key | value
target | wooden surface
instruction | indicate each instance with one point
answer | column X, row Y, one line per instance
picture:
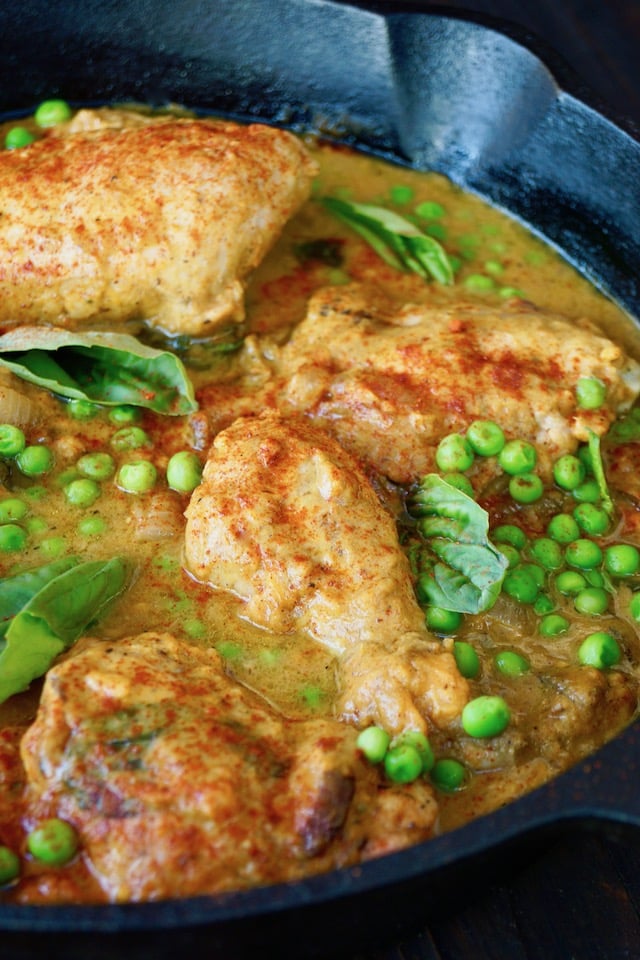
column 579, row 899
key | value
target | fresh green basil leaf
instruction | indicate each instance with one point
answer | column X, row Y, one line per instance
column 468, row 570
column 53, row 619
column 107, row 368
column 598, row 472
column 16, row 592
column 398, row 241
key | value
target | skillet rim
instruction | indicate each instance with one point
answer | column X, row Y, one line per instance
column 562, row 804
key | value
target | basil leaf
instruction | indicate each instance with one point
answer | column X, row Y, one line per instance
column 53, row 619
column 398, row 241
column 468, row 570
column 16, row 592
column 107, row 368
column 598, row 472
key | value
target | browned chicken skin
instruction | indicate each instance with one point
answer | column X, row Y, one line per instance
column 390, row 380
column 287, row 520
column 180, row 781
column 157, row 219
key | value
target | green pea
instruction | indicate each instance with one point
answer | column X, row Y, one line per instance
column 594, row 578
column 53, row 547
column 437, row 230
column 430, row 210
column 585, row 456
column 124, row 415
column 82, row 409
column 600, row 650
column 509, row 292
column 139, row 476
column 570, row 583
column 537, row 572
column 512, row 555
column 553, row 624
column 454, row 454
column 634, row 607
column 510, row 533
column 12, row 509
column 82, row 493
column 184, row 471
column 622, row 560
column 12, row 538
column 467, row 659
column 9, row 866
column 460, row 482
column 547, row 553
column 373, row 742
column 587, row 492
column 568, row 472
column 543, row 605
column 35, row 492
column 18, row 137
column 479, row 283
column 403, row 764
column 591, row 519
column 518, row 456
column 494, row 267
column 443, row 621
column 448, row 774
column 486, row 437
column 590, row 393
column 486, row 716
column 526, row 488
column 96, row 466
column 510, row 663
column 592, row 601
column 419, row 742
column 130, row 438
column 52, row 112
column 36, row 525
column 400, row 193
column 53, row 841
column 521, row 585
column 563, row 528
column 92, row 526
column 35, row 461
column 584, row 554
column 12, row 440
column 311, row 694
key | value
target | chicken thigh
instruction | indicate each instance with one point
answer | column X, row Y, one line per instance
column 389, row 381
column 116, row 216
column 287, row 520
column 179, row 781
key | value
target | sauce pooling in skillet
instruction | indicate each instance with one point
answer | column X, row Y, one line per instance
column 292, row 728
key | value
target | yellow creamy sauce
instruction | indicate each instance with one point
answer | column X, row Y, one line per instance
column 294, row 674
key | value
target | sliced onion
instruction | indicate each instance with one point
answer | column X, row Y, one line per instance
column 158, row 516
column 15, row 407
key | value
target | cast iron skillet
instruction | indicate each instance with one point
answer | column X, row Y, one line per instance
column 430, row 91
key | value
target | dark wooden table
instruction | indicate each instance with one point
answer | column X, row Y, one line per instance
column 578, row 899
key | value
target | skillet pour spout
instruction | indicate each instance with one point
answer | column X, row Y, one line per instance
column 373, row 77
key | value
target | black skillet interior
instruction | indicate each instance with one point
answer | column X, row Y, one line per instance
column 426, row 90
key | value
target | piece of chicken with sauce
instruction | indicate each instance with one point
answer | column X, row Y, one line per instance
column 390, row 380
column 180, row 781
column 287, row 521
column 115, row 216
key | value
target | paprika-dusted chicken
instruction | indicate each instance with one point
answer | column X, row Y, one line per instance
column 390, row 380
column 158, row 219
column 287, row 520
column 180, row 781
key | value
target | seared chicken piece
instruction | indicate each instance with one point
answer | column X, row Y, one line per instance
column 158, row 219
column 287, row 520
column 389, row 381
column 179, row 781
